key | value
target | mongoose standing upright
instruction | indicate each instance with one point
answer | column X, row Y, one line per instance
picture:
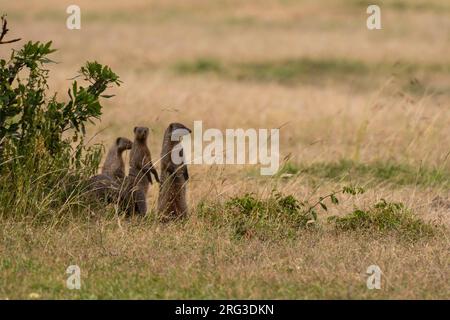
column 114, row 166
column 105, row 185
column 139, row 176
column 174, row 175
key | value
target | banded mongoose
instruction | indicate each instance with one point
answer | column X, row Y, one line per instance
column 114, row 165
column 140, row 174
column 174, row 175
column 105, row 186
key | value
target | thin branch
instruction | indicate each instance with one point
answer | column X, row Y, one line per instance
column 321, row 199
column 5, row 31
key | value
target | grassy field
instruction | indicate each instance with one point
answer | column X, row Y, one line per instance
column 355, row 107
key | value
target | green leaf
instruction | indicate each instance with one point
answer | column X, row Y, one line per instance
column 314, row 214
column 334, row 200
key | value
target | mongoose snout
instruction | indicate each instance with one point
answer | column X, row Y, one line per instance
column 140, row 133
column 124, row 144
column 114, row 165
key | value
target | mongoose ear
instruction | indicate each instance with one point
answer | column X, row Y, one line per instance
column 118, row 141
column 134, row 130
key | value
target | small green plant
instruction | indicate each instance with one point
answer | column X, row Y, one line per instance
column 351, row 190
column 276, row 216
column 385, row 217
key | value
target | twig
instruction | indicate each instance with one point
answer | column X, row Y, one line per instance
column 5, row 31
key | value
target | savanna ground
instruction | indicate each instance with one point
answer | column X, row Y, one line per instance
column 360, row 107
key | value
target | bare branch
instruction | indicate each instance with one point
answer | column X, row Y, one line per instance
column 5, row 31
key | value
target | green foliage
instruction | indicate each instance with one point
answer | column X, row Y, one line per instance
column 30, row 119
column 277, row 216
column 42, row 150
column 385, row 217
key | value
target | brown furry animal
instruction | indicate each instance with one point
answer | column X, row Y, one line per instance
column 140, row 174
column 105, row 186
column 114, row 165
column 174, row 175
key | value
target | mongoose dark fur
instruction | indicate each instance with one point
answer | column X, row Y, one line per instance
column 174, row 176
column 114, row 165
column 105, row 186
column 140, row 174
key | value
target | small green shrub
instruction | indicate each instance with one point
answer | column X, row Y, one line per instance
column 385, row 217
column 277, row 216
column 43, row 157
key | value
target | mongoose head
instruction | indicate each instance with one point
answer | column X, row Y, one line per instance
column 177, row 131
column 123, row 144
column 141, row 133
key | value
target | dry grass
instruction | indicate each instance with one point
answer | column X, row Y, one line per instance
column 327, row 117
column 137, row 260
